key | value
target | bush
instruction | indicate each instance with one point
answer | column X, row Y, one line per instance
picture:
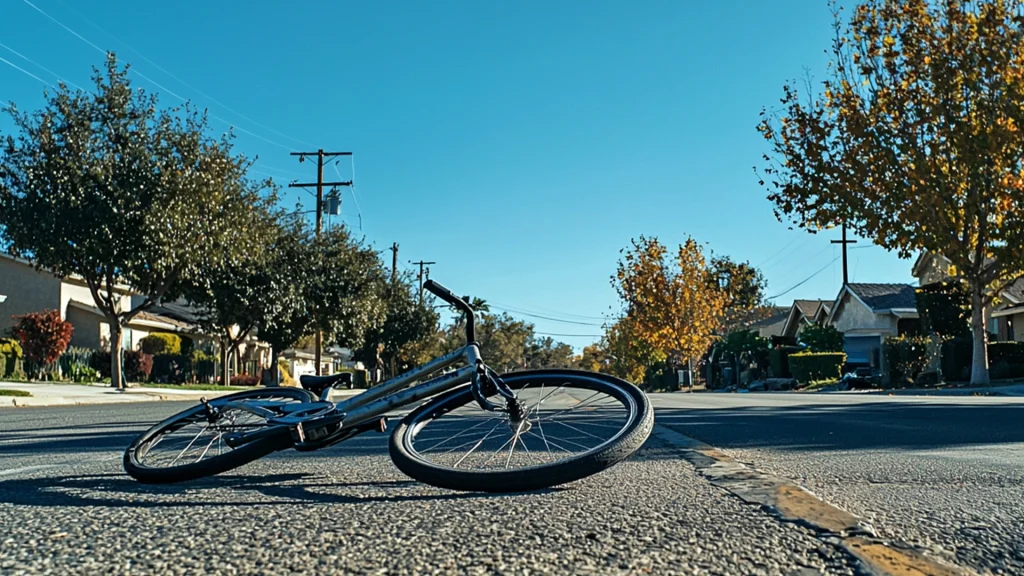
column 945, row 309
column 204, row 366
column 906, row 357
column 136, row 365
column 360, row 378
column 779, row 359
column 285, row 378
column 822, row 338
column 171, row 368
column 44, row 336
column 814, row 366
column 245, row 380
column 9, row 347
column 161, row 343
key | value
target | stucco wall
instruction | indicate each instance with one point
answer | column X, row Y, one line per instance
column 853, row 317
column 937, row 270
column 88, row 328
column 26, row 289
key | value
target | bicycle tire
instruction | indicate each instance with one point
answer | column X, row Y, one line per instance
column 630, row 439
column 215, row 464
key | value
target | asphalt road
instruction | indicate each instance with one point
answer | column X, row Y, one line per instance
column 945, row 473
column 942, row 473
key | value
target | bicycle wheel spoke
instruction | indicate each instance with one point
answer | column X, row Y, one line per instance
column 515, row 438
column 580, row 431
column 189, row 445
column 449, row 438
column 466, row 455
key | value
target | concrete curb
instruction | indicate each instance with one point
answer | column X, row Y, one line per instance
column 791, row 502
column 129, row 396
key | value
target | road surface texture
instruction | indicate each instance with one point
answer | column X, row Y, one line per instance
column 67, row 508
column 944, row 474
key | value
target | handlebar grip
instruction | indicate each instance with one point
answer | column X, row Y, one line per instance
column 442, row 292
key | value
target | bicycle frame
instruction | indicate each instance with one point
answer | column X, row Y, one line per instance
column 376, row 401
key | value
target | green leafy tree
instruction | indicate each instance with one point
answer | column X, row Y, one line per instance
column 502, row 339
column 914, row 141
column 107, row 186
column 822, row 338
column 406, row 330
column 745, row 288
column 546, row 352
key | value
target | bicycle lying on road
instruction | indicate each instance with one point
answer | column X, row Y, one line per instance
column 478, row 430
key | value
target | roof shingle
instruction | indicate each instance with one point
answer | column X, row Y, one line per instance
column 886, row 296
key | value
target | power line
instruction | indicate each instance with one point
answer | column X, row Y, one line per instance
column 569, row 335
column 352, row 188
column 778, row 252
column 805, row 280
column 154, row 82
column 545, row 317
column 186, row 84
column 539, row 310
column 38, row 65
column 23, row 71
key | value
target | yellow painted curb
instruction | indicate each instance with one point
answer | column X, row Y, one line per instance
column 793, row 503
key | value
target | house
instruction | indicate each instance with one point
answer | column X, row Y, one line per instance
column 867, row 314
column 302, row 362
column 773, row 323
column 30, row 290
column 803, row 313
column 1005, row 321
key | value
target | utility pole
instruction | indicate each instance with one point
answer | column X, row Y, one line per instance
column 394, row 265
column 421, row 264
column 320, row 155
column 845, row 243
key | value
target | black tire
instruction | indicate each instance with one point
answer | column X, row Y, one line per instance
column 217, row 464
column 632, row 435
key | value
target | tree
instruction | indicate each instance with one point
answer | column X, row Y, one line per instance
column 745, row 287
column 288, row 268
column 628, row 351
column 44, row 336
column 406, row 324
column 129, row 197
column 594, row 358
column 822, row 338
column 670, row 303
column 502, row 339
column 342, row 291
column 915, row 141
column 232, row 297
column 546, row 352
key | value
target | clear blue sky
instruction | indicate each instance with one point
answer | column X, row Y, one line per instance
column 518, row 144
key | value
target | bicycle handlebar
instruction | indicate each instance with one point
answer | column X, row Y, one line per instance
column 447, row 295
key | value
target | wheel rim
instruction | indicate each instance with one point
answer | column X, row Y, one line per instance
column 190, row 438
column 567, row 417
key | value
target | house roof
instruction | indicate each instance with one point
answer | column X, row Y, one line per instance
column 776, row 314
column 177, row 310
column 1015, row 292
column 885, row 296
column 141, row 319
column 810, row 307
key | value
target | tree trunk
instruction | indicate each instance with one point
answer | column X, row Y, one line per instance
column 116, row 376
column 274, row 371
column 979, row 365
column 225, row 377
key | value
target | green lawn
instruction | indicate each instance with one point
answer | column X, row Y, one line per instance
column 18, row 393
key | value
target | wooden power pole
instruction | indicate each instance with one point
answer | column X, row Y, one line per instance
column 421, row 264
column 845, row 243
column 319, row 184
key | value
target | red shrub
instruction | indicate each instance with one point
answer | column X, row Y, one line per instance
column 245, row 380
column 44, row 335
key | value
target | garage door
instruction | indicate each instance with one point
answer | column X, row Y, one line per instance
column 861, row 349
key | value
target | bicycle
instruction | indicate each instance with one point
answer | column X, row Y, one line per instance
column 477, row 430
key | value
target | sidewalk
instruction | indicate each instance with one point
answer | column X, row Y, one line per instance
column 996, row 390
column 46, row 394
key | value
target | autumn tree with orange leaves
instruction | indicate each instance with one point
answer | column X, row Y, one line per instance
column 914, row 140
column 670, row 304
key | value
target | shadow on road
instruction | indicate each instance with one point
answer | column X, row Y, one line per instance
column 862, row 426
column 118, row 491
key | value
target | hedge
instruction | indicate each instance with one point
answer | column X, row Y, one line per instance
column 137, row 365
column 779, row 359
column 905, row 357
column 814, row 366
column 161, row 343
column 1005, row 359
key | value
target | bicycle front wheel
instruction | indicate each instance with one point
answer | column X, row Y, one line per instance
column 187, row 445
column 576, row 424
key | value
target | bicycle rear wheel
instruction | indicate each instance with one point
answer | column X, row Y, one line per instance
column 577, row 424
column 187, row 445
